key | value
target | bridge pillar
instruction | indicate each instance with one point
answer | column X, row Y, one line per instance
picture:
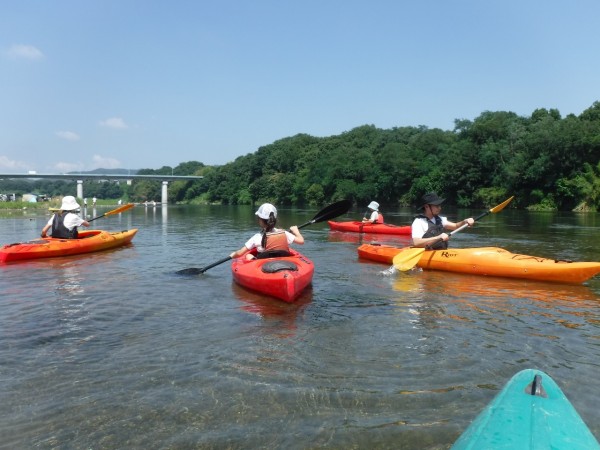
column 79, row 188
column 164, row 197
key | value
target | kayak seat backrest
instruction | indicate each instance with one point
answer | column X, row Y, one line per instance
column 273, row 254
column 277, row 266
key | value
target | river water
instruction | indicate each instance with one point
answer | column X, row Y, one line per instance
column 115, row 350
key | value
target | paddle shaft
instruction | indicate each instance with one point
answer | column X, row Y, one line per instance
column 462, row 227
column 216, row 263
column 495, row 209
column 120, row 209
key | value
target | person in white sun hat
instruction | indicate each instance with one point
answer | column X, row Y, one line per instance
column 64, row 222
column 271, row 241
column 373, row 215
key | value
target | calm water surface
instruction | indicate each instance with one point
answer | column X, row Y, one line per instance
column 114, row 350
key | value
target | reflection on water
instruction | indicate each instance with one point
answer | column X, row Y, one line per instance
column 567, row 305
column 281, row 316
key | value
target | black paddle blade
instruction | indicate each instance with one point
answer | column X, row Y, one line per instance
column 330, row 212
column 190, row 271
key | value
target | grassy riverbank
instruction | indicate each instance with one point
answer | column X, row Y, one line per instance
column 17, row 206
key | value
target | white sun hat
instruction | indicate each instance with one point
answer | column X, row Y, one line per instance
column 69, row 203
column 265, row 211
column 374, row 206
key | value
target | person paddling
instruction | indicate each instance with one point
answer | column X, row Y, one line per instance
column 373, row 215
column 64, row 222
column 428, row 228
column 271, row 241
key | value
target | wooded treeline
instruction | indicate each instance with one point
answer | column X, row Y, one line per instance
column 545, row 160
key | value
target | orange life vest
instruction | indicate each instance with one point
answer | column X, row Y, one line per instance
column 277, row 240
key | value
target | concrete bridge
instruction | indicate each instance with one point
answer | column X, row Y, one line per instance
column 80, row 177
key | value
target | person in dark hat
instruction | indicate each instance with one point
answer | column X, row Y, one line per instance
column 429, row 227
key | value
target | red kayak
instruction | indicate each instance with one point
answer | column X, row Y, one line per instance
column 283, row 277
column 376, row 228
column 87, row 242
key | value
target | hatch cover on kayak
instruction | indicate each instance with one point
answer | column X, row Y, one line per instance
column 276, row 266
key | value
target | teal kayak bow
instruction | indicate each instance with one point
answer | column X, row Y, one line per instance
column 531, row 412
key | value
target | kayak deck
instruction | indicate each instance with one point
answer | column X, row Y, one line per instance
column 490, row 261
column 283, row 277
column 531, row 412
column 88, row 241
column 376, row 228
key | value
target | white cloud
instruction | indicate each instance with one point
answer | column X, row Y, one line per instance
column 7, row 163
column 114, row 122
column 22, row 51
column 97, row 162
column 64, row 167
column 101, row 162
column 68, row 135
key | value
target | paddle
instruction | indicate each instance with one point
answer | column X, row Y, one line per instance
column 329, row 212
column 407, row 259
column 120, row 209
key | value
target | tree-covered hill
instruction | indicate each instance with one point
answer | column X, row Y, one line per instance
column 546, row 161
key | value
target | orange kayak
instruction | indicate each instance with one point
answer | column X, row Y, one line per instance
column 492, row 261
column 376, row 228
column 283, row 277
column 87, row 242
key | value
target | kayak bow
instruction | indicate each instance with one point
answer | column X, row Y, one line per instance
column 531, row 412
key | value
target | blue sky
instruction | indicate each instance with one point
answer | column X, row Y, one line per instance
column 144, row 84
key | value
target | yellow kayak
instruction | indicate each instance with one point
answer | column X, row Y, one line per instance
column 492, row 261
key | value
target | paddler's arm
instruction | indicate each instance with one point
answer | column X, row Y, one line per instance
column 298, row 238
column 241, row 252
column 424, row 242
column 453, row 226
column 47, row 227
column 45, row 230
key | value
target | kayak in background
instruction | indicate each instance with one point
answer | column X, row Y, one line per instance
column 283, row 277
column 376, row 228
column 531, row 412
column 491, row 261
column 49, row 247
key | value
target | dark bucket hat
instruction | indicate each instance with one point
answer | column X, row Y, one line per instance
column 431, row 198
